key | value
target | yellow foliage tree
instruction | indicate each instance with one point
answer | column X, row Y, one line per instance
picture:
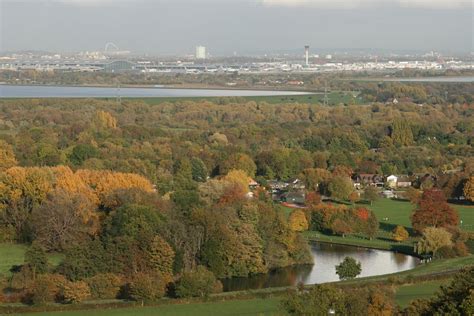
column 104, row 120
column 298, row 221
column 399, row 233
column 239, row 177
column 7, row 156
column 469, row 189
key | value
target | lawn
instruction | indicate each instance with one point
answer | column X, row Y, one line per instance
column 251, row 307
column 390, row 213
column 14, row 254
column 398, row 213
column 406, row 293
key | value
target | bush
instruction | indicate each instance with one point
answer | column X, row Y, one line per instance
column 198, row 283
column 106, row 285
column 75, row 292
column 445, row 252
column 46, row 288
column 146, row 287
column 461, row 249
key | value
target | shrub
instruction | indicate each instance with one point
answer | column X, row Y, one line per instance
column 460, row 249
column 198, row 283
column 75, row 292
column 146, row 287
column 445, row 252
column 399, row 233
column 46, row 288
column 106, row 285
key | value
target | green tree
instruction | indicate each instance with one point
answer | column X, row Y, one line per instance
column 401, row 133
column 340, row 187
column 199, row 170
column 36, row 259
column 349, row 268
column 320, row 300
column 82, row 152
column 199, row 283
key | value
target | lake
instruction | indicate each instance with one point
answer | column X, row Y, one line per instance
column 13, row 91
column 326, row 257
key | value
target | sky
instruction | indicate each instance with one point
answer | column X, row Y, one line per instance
column 240, row 26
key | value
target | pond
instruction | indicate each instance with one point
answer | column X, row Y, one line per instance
column 326, row 257
column 12, row 91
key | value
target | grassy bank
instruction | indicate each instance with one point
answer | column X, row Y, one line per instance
column 407, row 293
column 252, row 307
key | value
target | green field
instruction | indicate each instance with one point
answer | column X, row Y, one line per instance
column 406, row 293
column 252, row 307
column 14, row 254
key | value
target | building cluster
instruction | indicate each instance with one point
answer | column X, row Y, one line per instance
column 201, row 63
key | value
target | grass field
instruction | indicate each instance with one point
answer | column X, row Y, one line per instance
column 406, row 293
column 14, row 254
column 252, row 307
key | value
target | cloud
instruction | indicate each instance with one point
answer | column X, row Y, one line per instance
column 349, row 4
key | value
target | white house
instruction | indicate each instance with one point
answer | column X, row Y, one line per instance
column 392, row 181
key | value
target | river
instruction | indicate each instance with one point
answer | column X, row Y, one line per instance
column 326, row 257
column 13, row 91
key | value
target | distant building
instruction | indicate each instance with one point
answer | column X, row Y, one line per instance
column 200, row 52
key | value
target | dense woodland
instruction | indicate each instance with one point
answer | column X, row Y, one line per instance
column 135, row 195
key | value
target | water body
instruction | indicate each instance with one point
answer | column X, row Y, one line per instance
column 453, row 79
column 326, row 257
column 12, row 91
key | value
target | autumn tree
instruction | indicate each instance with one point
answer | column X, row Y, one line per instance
column 146, row 287
column 7, row 156
column 413, row 195
column 298, row 221
column 354, row 197
column 399, row 233
column 433, row 239
column 75, row 292
column 349, row 268
column 238, row 161
column 161, row 255
column 371, row 194
column 469, row 189
column 433, row 210
column 63, row 220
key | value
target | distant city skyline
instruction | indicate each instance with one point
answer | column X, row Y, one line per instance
column 242, row 26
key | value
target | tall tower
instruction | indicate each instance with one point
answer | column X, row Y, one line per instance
column 306, row 54
column 200, row 52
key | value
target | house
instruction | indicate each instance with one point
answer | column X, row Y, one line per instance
column 296, row 184
column 295, row 197
column 400, row 181
column 367, row 179
column 403, row 182
column 391, row 181
column 276, row 185
column 252, row 184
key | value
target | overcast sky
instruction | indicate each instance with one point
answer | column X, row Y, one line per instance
column 242, row 26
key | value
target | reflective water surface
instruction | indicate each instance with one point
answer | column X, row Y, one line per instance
column 326, row 257
column 12, row 91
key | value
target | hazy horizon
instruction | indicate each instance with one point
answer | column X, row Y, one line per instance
column 240, row 26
